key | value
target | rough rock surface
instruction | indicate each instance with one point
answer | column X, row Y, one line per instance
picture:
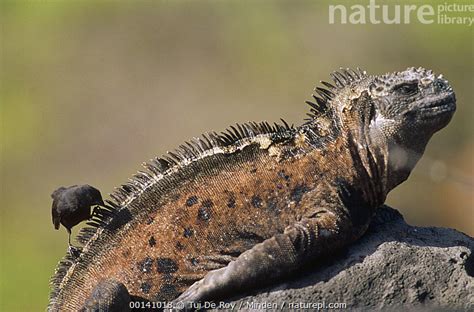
column 393, row 266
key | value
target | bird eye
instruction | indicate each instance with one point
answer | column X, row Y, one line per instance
column 407, row 88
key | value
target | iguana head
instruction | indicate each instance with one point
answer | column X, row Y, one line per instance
column 410, row 106
column 397, row 112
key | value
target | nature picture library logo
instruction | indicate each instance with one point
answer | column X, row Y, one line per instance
column 373, row 12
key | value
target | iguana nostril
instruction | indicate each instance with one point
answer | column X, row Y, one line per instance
column 440, row 85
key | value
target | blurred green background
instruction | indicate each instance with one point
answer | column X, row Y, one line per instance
column 89, row 90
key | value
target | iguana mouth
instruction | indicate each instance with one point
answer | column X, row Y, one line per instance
column 441, row 105
column 439, row 112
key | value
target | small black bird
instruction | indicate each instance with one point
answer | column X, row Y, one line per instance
column 72, row 205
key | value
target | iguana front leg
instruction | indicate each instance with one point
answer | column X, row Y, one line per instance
column 109, row 295
column 322, row 233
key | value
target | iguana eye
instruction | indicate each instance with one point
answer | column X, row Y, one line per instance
column 406, row 88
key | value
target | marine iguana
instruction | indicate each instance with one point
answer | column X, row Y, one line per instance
column 251, row 205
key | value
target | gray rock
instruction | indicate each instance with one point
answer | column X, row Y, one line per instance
column 393, row 266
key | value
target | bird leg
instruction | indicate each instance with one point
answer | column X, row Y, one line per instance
column 74, row 251
column 69, row 238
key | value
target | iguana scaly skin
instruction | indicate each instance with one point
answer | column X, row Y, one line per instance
column 251, row 205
